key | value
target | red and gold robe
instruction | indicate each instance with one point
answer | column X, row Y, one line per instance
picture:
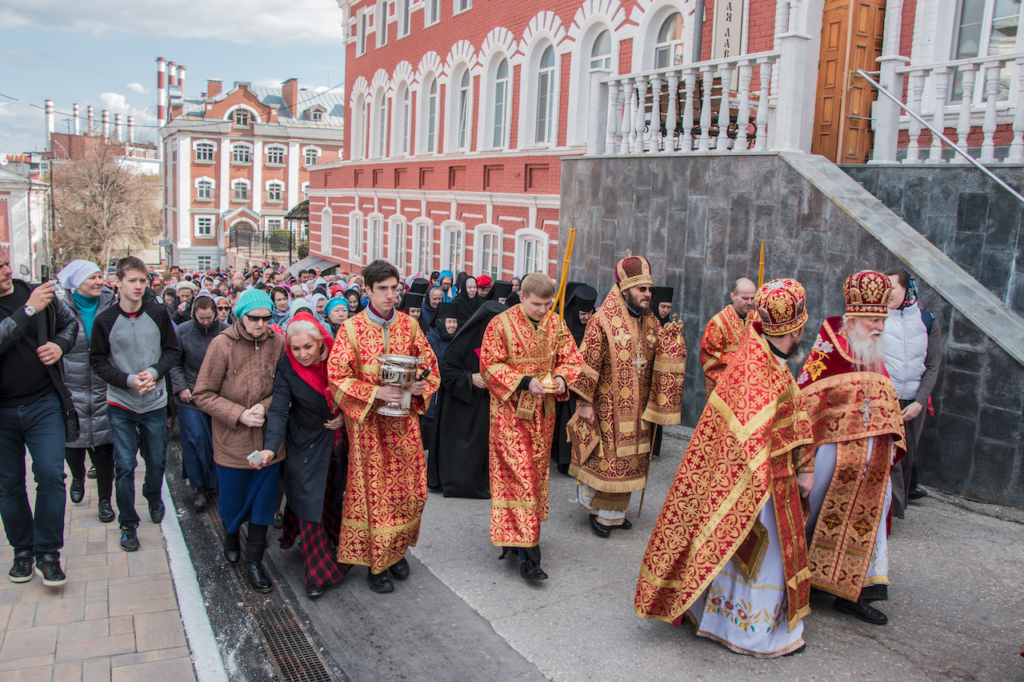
column 522, row 424
column 847, row 406
column 744, row 451
column 721, row 338
column 387, row 473
column 632, row 375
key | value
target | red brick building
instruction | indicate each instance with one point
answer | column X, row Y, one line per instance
column 238, row 159
column 460, row 111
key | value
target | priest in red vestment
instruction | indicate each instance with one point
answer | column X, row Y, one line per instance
column 387, row 473
column 520, row 347
column 724, row 332
column 728, row 549
column 858, row 433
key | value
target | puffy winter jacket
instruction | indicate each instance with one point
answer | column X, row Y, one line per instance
column 193, row 341
column 88, row 390
column 906, row 344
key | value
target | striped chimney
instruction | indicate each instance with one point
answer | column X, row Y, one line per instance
column 118, row 128
column 106, row 124
column 172, row 74
column 49, row 124
column 181, row 80
column 76, row 113
column 131, row 130
column 161, row 91
column 89, row 130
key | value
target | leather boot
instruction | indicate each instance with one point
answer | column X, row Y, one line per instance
column 254, row 567
column 232, row 548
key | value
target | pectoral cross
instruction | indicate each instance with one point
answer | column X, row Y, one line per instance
column 639, row 363
column 867, row 411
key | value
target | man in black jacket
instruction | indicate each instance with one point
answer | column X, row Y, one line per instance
column 35, row 332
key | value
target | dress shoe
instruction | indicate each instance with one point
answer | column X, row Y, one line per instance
column 314, row 591
column 563, row 469
column 916, row 494
column 253, row 567
column 868, row 614
column 380, row 582
column 91, row 474
column 48, row 568
column 625, row 525
column 400, row 569
column 279, row 521
column 232, row 548
column 77, row 489
column 201, row 501
column 104, row 511
column 532, row 571
column 21, row 569
column 600, row 530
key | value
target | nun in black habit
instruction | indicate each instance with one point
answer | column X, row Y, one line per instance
column 579, row 306
column 457, row 464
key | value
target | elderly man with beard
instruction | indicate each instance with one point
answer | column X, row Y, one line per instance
column 858, row 426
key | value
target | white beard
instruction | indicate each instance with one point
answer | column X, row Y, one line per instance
column 797, row 359
column 865, row 346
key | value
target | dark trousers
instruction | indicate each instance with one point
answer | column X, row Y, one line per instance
column 102, row 457
column 40, row 427
column 195, row 430
column 152, row 442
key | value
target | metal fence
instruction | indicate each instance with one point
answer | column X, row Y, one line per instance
column 253, row 242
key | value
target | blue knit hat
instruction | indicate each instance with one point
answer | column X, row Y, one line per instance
column 252, row 299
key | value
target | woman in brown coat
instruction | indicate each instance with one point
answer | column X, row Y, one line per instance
column 235, row 387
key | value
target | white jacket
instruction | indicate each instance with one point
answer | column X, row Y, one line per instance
column 906, row 344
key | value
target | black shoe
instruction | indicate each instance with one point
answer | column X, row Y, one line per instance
column 232, row 548
column 279, row 521
column 48, row 568
column 563, row 469
column 157, row 513
column 21, row 569
column 916, row 494
column 868, row 614
column 625, row 525
column 201, row 501
column 315, row 591
column 400, row 569
column 600, row 530
column 129, row 540
column 380, row 582
column 77, row 489
column 254, row 568
column 104, row 510
column 91, row 474
column 532, row 571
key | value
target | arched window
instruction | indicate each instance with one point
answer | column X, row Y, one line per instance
column 601, row 53
column 376, row 242
column 240, row 117
column 401, row 127
column 396, row 242
column 546, row 97
column 432, row 117
column 326, row 231
column 453, row 247
column 355, row 237
column 275, row 191
column 668, row 51
column 462, row 132
column 382, row 127
column 487, row 248
column 358, row 148
column 533, row 259
column 501, row 90
column 423, row 229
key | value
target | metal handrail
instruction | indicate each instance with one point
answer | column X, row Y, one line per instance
column 864, row 74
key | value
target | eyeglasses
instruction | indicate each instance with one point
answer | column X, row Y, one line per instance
column 644, row 290
column 223, row 307
column 259, row 318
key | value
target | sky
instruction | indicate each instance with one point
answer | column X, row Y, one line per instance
column 103, row 53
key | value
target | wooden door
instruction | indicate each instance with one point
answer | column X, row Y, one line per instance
column 851, row 39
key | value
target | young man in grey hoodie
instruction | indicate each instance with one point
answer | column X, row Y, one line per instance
column 133, row 346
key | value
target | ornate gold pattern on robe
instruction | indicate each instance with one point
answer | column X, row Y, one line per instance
column 387, row 474
column 721, row 338
column 615, row 346
column 522, row 424
column 847, row 406
column 743, row 451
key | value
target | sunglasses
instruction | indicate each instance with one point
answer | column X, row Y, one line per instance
column 644, row 290
column 223, row 307
column 258, row 318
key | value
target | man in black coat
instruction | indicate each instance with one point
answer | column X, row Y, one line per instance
column 35, row 332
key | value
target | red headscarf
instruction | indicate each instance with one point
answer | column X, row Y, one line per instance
column 315, row 375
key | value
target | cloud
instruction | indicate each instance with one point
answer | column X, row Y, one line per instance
column 138, row 87
column 270, row 22
column 116, row 103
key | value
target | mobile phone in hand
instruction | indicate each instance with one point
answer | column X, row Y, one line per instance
column 255, row 457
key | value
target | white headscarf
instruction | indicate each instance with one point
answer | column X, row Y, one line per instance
column 76, row 272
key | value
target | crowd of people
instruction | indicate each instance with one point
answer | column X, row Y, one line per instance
column 273, row 385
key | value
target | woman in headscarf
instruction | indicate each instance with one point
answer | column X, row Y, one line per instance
column 337, row 313
column 282, row 299
column 305, row 419
column 85, row 297
column 447, row 287
column 460, row 282
column 515, row 285
column 428, row 310
column 224, row 309
column 319, row 302
column 467, row 300
column 439, row 336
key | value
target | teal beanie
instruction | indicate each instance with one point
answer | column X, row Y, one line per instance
column 252, row 299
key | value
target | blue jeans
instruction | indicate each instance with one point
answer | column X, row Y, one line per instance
column 40, row 426
column 152, row 441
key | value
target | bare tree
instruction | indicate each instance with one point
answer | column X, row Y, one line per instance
column 102, row 207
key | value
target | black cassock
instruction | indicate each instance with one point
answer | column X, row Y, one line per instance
column 579, row 298
column 458, row 456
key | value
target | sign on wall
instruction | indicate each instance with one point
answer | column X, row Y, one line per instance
column 727, row 38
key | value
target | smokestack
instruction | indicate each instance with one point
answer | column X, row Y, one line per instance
column 76, row 112
column 118, row 128
column 90, row 122
column 106, row 124
column 181, row 80
column 161, row 92
column 172, row 74
column 131, row 130
column 49, row 124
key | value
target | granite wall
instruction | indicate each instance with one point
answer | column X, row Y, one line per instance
column 969, row 217
column 700, row 220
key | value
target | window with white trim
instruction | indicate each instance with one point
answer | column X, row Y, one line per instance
column 428, row 116
column 204, row 190
column 316, row 116
column 241, row 153
column 311, row 156
column 361, row 26
column 275, row 191
column 204, row 151
column 326, row 231
column 544, row 128
column 424, row 253
column 431, row 12
column 396, row 242
column 382, row 127
column 380, row 22
column 501, row 102
column 453, row 250
column 240, row 117
column 204, row 226
column 355, row 237
column 533, row 258
column 304, row 189
column 275, row 155
column 668, row 51
column 204, row 262
column 404, row 13
column 240, row 190
column 273, row 224
column 358, row 148
column 489, row 254
column 405, row 124
column 985, row 28
column 601, row 52
column 460, row 6
column 376, row 240
column 459, row 111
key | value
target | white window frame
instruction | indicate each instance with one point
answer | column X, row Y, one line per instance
column 401, row 124
column 355, row 236
column 316, row 115
column 481, row 234
column 423, row 251
column 305, row 152
column 241, row 182
column 528, row 99
column 204, row 262
column 198, row 219
column 358, row 144
column 241, row 113
column 229, row 115
column 275, row 184
column 196, row 144
column 276, row 149
column 326, row 234
column 427, row 131
column 199, row 181
column 236, row 147
column 398, row 235
column 1008, row 82
column 378, row 123
column 585, row 77
column 525, row 235
column 275, row 224
column 670, row 46
column 375, row 237
column 431, row 12
column 380, row 22
column 448, row 229
column 460, row 6
column 489, row 116
column 460, row 99
column 544, row 130
column 403, row 12
column 304, row 189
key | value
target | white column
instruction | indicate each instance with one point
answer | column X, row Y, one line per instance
column 914, row 91
column 224, row 181
column 184, row 199
column 672, row 116
column 598, row 99
column 885, row 113
column 686, row 143
column 611, row 136
column 257, row 176
column 991, row 82
column 293, row 174
column 725, row 73
column 743, row 114
column 704, row 143
column 963, row 124
column 1016, row 154
column 941, row 76
column 795, row 107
